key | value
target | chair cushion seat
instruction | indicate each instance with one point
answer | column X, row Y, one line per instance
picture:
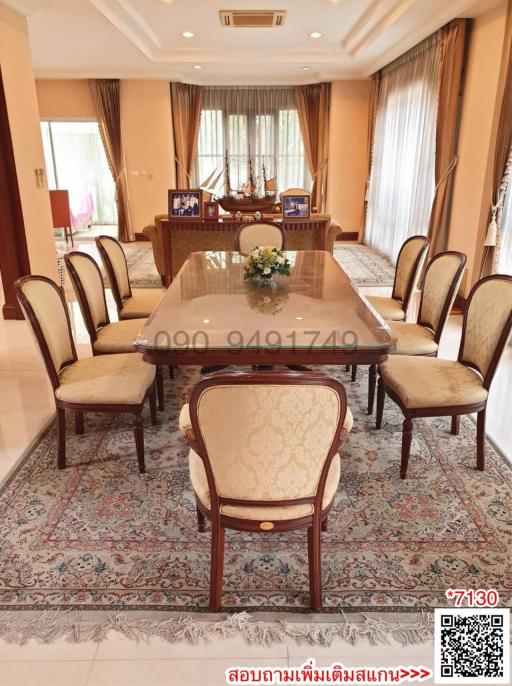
column 118, row 337
column 106, row 380
column 430, row 382
column 185, row 423
column 412, row 339
column 388, row 308
column 141, row 305
column 277, row 513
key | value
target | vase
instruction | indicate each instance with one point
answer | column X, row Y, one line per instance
column 264, row 280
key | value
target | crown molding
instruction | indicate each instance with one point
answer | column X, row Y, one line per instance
column 456, row 8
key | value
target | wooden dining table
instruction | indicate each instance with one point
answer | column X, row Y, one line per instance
column 210, row 315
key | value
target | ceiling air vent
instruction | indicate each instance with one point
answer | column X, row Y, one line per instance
column 252, row 18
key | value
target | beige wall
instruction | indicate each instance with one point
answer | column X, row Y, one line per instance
column 469, row 209
column 147, row 135
column 347, row 152
column 65, row 99
column 22, row 108
column 148, row 147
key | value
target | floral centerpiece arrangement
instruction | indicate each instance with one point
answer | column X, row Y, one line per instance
column 264, row 262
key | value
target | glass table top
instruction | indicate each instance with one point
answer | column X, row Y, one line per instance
column 210, row 305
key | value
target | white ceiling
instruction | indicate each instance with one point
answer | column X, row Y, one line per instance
column 142, row 38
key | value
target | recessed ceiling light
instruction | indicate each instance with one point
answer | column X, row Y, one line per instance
column 187, row 34
column 197, row 66
column 306, row 68
column 315, row 34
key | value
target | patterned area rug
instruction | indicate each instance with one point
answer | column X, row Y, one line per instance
column 99, row 536
column 364, row 266
column 141, row 266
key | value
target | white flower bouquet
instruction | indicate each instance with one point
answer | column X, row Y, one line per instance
column 264, row 262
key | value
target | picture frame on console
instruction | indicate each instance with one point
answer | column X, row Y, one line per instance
column 296, row 206
column 185, row 203
column 211, row 210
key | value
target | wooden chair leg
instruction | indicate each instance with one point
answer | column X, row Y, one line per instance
column 315, row 567
column 455, row 425
column 406, row 446
column 354, row 372
column 381, row 397
column 159, row 378
column 480, row 440
column 61, row 435
column 138, row 430
column 79, row 423
column 217, row 567
column 71, row 237
column 171, row 372
column 201, row 521
column 347, row 367
column 372, row 382
column 152, row 404
column 325, row 525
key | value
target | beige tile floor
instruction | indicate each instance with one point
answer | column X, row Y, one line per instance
column 25, row 407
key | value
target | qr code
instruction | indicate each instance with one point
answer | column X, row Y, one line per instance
column 472, row 646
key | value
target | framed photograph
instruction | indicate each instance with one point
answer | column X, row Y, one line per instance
column 296, row 206
column 211, row 210
column 185, row 204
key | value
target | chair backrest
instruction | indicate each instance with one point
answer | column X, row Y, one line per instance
column 114, row 261
column 411, row 259
column 442, row 280
column 267, row 437
column 487, row 324
column 89, row 290
column 46, row 312
column 258, row 234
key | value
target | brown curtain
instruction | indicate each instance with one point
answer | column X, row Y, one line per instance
column 186, row 115
column 313, row 104
column 502, row 146
column 452, row 42
column 107, row 104
column 372, row 114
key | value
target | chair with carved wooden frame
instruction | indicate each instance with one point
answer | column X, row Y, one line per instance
column 409, row 265
column 107, row 384
column 129, row 306
column 442, row 280
column 106, row 338
column 258, row 234
column 277, row 469
column 433, row 387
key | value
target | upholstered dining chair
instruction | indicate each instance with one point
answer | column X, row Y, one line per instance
column 129, row 306
column 442, row 280
column 264, row 457
column 409, row 265
column 108, row 383
column 106, row 338
column 433, row 387
column 257, row 234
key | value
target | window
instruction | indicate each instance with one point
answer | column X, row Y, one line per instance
column 263, row 121
column 505, row 239
column 76, row 161
column 402, row 180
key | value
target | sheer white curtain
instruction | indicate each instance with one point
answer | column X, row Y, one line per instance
column 505, row 237
column 402, row 179
column 264, row 119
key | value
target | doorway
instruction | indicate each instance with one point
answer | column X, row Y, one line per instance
column 76, row 162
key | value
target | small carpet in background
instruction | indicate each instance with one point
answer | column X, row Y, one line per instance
column 141, row 266
column 364, row 266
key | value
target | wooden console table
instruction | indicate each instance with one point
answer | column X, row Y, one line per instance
column 180, row 237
